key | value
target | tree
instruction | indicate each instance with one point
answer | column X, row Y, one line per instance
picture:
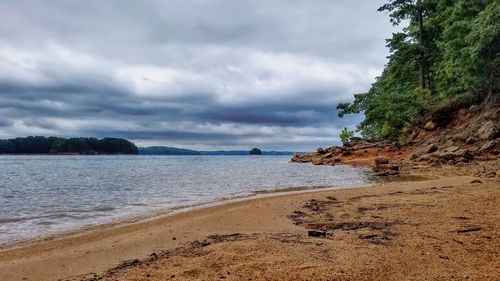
column 445, row 58
column 255, row 151
column 54, row 145
column 346, row 135
column 414, row 11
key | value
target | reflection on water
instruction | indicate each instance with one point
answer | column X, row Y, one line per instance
column 46, row 194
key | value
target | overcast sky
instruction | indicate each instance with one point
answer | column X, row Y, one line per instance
column 203, row 74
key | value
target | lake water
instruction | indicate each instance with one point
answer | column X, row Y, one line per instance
column 42, row 195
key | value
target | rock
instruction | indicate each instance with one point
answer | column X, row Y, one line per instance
column 489, row 146
column 328, row 155
column 382, row 174
column 491, row 174
column 317, row 161
column 470, row 140
column 393, row 172
column 451, row 148
column 385, row 167
column 419, row 151
column 320, row 150
column 453, row 153
column 476, row 181
column 430, row 126
column 346, row 153
column 381, row 160
column 315, row 233
column 488, row 131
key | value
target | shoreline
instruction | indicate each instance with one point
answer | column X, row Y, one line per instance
column 165, row 212
column 97, row 250
column 258, row 194
column 162, row 213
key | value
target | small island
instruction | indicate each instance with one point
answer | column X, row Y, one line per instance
column 255, row 151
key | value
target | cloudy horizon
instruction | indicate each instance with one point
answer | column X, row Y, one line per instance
column 194, row 74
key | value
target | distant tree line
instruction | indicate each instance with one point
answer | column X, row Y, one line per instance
column 167, row 150
column 56, row 145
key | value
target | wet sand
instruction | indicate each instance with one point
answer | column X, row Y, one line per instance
column 440, row 229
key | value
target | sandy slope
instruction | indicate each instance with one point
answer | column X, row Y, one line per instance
column 394, row 231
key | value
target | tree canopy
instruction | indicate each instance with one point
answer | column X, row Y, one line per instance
column 55, row 145
column 445, row 57
column 255, row 151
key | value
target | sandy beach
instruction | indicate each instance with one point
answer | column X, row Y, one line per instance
column 439, row 229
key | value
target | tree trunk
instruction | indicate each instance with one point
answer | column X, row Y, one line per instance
column 421, row 43
column 491, row 65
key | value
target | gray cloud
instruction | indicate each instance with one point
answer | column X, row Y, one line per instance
column 201, row 74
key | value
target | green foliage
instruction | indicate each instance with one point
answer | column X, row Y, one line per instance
column 460, row 43
column 346, row 135
column 54, row 145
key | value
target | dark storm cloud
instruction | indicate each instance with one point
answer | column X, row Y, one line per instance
column 217, row 74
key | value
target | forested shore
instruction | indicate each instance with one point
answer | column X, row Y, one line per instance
column 445, row 58
column 56, row 145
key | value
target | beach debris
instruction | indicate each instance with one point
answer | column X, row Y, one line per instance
column 352, row 225
column 476, row 181
column 128, row 263
column 461, row 218
column 316, row 233
column 367, row 236
column 469, row 229
column 200, row 244
column 314, row 205
column 217, row 238
column 297, row 217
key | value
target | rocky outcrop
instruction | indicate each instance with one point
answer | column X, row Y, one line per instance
column 488, row 131
column 357, row 152
column 382, row 167
column 470, row 136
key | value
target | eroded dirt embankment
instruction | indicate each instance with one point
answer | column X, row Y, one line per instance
column 468, row 141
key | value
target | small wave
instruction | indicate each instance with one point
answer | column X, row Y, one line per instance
column 11, row 220
column 138, row 204
column 65, row 216
column 104, row 209
column 46, row 223
column 92, row 210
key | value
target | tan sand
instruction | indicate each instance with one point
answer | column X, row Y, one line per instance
column 442, row 229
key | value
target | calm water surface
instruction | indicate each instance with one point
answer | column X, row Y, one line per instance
column 41, row 195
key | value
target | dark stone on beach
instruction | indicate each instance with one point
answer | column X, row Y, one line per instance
column 381, row 161
column 173, row 238
column 476, row 181
column 315, row 233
